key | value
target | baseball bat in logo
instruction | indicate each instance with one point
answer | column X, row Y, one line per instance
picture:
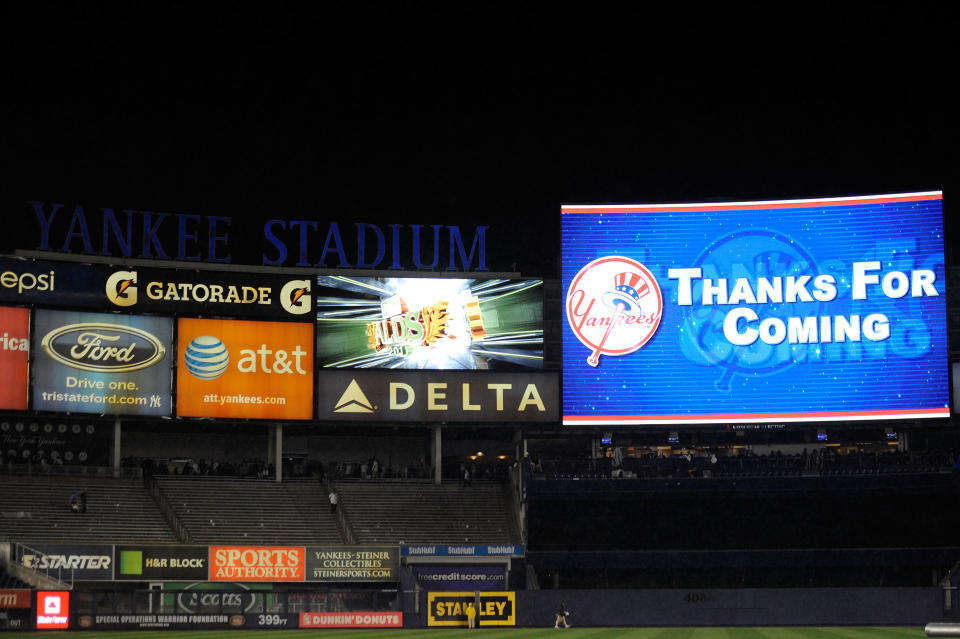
column 614, row 306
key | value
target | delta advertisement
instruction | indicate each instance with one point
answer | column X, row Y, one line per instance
column 102, row 363
column 14, row 357
column 826, row 309
column 429, row 323
column 250, row 370
column 450, row 608
column 436, row 396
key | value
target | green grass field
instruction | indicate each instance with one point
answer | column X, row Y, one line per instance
column 834, row 632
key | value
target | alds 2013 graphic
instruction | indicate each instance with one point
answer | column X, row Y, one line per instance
column 755, row 311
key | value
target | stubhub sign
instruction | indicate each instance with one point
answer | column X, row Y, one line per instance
column 755, row 311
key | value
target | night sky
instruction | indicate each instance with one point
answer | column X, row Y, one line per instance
column 471, row 115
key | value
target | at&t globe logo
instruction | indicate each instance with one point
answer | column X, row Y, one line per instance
column 207, row 357
column 614, row 306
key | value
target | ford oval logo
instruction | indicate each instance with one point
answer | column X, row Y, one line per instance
column 103, row 347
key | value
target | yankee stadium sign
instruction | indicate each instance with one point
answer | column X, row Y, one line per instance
column 303, row 243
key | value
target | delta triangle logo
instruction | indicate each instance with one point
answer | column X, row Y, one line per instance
column 353, row 400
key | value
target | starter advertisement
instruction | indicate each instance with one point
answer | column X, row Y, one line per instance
column 250, row 370
column 434, row 550
column 69, row 562
column 14, row 357
column 161, row 563
column 353, row 563
column 257, row 563
column 429, row 323
column 450, row 608
column 792, row 310
column 102, row 363
column 436, row 396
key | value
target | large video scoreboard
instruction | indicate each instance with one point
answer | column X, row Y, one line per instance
column 797, row 310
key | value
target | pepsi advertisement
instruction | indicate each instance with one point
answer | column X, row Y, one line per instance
column 827, row 309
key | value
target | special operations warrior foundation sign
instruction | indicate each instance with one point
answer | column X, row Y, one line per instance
column 755, row 311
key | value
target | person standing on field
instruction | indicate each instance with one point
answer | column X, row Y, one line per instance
column 471, row 616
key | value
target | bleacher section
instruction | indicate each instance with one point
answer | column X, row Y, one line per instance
column 225, row 510
column 426, row 513
column 37, row 509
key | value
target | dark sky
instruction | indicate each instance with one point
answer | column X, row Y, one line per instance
column 472, row 115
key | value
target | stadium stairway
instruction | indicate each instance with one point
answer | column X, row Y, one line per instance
column 382, row 511
column 215, row 510
column 37, row 509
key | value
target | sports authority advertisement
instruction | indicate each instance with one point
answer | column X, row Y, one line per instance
column 450, row 608
column 257, row 563
column 14, row 357
column 101, row 363
column 353, row 563
column 250, row 370
column 160, row 563
column 437, row 396
column 421, row 323
column 795, row 310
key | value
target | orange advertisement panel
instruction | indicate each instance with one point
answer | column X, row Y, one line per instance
column 14, row 356
column 248, row 370
column 257, row 563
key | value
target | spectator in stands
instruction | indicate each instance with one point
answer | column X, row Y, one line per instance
column 78, row 502
column 334, row 500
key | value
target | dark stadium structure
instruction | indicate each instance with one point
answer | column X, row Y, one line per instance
column 199, row 522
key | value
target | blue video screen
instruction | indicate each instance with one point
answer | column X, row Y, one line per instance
column 794, row 310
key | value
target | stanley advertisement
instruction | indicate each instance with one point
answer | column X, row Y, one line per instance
column 450, row 608
column 102, row 363
column 435, row 396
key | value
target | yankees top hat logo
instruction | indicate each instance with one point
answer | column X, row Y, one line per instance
column 614, row 306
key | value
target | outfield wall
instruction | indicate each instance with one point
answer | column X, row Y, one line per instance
column 741, row 607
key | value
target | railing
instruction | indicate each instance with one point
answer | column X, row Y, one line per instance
column 166, row 508
column 56, row 470
column 343, row 522
column 26, row 559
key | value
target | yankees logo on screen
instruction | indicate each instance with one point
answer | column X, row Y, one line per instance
column 614, row 306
